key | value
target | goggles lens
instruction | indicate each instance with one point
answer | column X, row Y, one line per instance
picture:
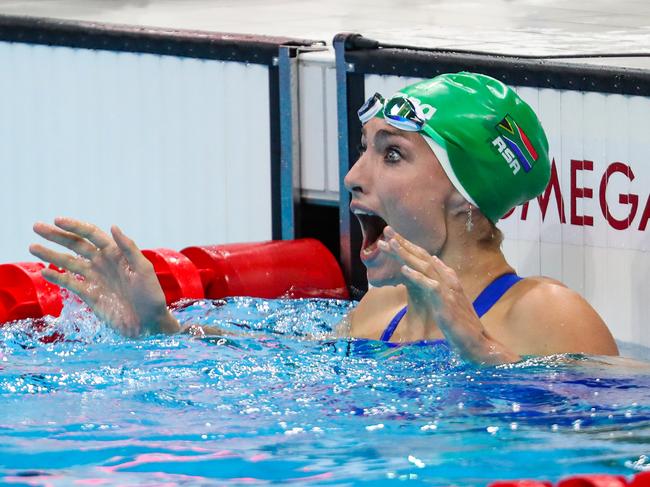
column 399, row 111
column 402, row 113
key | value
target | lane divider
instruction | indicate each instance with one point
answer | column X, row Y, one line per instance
column 596, row 480
column 290, row 268
column 285, row 268
column 24, row 293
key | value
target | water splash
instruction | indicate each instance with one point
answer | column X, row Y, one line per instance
column 282, row 399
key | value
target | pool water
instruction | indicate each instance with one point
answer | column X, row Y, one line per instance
column 286, row 402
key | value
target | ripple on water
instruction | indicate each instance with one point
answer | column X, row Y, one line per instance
column 280, row 398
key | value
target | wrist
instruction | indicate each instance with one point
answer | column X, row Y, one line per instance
column 163, row 322
column 194, row 330
column 486, row 350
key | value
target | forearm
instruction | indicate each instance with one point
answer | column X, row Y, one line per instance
column 202, row 331
column 474, row 344
column 487, row 351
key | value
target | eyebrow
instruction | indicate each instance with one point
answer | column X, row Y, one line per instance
column 382, row 135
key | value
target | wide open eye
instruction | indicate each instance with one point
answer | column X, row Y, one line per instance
column 393, row 155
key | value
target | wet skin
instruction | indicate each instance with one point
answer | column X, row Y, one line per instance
column 429, row 259
column 426, row 257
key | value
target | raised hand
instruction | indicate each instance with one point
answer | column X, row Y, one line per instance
column 436, row 293
column 109, row 273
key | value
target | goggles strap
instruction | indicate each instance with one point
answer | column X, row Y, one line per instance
column 370, row 108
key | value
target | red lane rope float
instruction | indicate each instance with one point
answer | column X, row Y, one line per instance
column 521, row 483
column 594, row 481
column 640, row 480
column 286, row 268
column 283, row 268
column 24, row 293
column 178, row 276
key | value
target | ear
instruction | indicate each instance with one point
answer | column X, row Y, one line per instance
column 458, row 205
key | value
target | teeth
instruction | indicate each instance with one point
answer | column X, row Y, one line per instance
column 357, row 211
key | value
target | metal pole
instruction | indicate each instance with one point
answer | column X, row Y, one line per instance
column 349, row 95
column 289, row 143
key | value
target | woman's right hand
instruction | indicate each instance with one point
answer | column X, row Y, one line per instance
column 109, row 273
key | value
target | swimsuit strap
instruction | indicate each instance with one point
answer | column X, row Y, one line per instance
column 482, row 304
column 390, row 329
column 493, row 292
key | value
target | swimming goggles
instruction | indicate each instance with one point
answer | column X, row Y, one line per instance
column 399, row 111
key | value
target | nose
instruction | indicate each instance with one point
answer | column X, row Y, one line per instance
column 353, row 179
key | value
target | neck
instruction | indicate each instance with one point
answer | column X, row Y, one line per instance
column 475, row 264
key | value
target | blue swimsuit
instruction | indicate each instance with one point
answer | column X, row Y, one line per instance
column 488, row 297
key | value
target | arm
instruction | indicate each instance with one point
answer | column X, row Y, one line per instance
column 546, row 318
column 109, row 273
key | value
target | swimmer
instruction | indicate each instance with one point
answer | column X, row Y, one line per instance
column 441, row 162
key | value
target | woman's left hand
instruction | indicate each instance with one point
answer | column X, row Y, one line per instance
column 436, row 293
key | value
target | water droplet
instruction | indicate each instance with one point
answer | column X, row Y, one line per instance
column 416, row 461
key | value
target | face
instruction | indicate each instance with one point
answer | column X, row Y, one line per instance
column 397, row 181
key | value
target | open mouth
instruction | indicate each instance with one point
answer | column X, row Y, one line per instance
column 372, row 228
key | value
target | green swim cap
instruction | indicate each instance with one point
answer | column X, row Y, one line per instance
column 494, row 149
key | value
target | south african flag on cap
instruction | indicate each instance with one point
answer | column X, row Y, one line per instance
column 518, row 142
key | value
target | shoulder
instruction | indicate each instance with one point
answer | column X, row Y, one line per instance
column 551, row 318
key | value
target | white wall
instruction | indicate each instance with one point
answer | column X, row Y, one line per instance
column 175, row 150
column 609, row 266
column 319, row 161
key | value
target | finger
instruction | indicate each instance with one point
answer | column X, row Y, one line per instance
column 401, row 254
column 129, row 249
column 421, row 262
column 407, row 244
column 86, row 230
column 68, row 240
column 70, row 263
column 69, row 282
column 420, row 279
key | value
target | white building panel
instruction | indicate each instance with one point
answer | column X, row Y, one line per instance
column 312, row 106
column 319, row 163
column 332, row 139
column 175, row 150
column 596, row 240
